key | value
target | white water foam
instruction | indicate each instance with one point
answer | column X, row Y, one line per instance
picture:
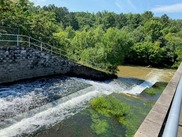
column 153, row 77
column 50, row 114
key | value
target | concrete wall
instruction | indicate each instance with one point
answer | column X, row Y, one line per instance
column 18, row 63
column 152, row 126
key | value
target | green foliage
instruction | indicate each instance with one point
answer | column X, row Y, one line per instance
column 29, row 19
column 147, row 53
column 104, row 38
column 153, row 28
column 146, row 16
column 179, row 57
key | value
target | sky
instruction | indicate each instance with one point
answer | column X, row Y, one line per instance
column 173, row 8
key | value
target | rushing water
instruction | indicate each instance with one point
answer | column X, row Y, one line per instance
column 29, row 107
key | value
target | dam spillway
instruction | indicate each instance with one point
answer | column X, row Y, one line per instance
column 32, row 106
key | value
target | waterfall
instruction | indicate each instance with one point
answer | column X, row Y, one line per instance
column 30, row 107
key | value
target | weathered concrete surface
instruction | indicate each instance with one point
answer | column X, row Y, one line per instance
column 153, row 122
column 18, row 63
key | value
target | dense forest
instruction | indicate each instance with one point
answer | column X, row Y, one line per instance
column 104, row 37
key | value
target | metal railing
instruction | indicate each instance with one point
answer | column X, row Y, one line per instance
column 171, row 127
column 26, row 41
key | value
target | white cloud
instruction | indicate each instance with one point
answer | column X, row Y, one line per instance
column 118, row 5
column 168, row 8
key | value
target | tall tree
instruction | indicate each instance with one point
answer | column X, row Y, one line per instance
column 153, row 28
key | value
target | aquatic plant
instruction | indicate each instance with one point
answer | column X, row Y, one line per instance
column 110, row 106
column 156, row 89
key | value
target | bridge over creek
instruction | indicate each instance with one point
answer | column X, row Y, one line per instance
column 28, row 105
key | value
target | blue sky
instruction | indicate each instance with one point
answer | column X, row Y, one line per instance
column 173, row 8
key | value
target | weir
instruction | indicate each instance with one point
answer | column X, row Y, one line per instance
column 29, row 58
column 30, row 107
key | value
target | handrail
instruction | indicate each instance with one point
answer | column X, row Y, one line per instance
column 171, row 127
column 153, row 124
column 18, row 39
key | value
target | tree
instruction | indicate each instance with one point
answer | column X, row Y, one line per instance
column 85, row 19
column 133, row 20
column 146, row 16
column 109, row 19
column 146, row 53
column 173, row 49
column 71, row 20
column 64, row 38
column 138, row 35
column 60, row 13
column 165, row 20
column 153, row 28
column 121, row 20
column 103, row 37
column 116, row 44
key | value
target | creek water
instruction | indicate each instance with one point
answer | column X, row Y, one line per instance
column 27, row 108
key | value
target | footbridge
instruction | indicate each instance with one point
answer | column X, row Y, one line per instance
column 23, row 57
column 164, row 118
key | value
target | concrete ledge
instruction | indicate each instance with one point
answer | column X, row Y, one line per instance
column 153, row 122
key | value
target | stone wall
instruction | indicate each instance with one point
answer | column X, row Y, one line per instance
column 18, row 63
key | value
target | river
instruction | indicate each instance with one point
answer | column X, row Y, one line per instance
column 29, row 107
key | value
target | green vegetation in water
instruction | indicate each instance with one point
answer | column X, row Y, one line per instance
column 128, row 111
column 117, row 110
column 116, row 115
column 99, row 126
column 110, row 107
column 155, row 90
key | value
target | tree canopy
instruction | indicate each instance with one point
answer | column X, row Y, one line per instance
column 104, row 38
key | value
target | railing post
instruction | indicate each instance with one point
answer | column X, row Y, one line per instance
column 18, row 41
column 41, row 46
column 29, row 41
column 51, row 49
